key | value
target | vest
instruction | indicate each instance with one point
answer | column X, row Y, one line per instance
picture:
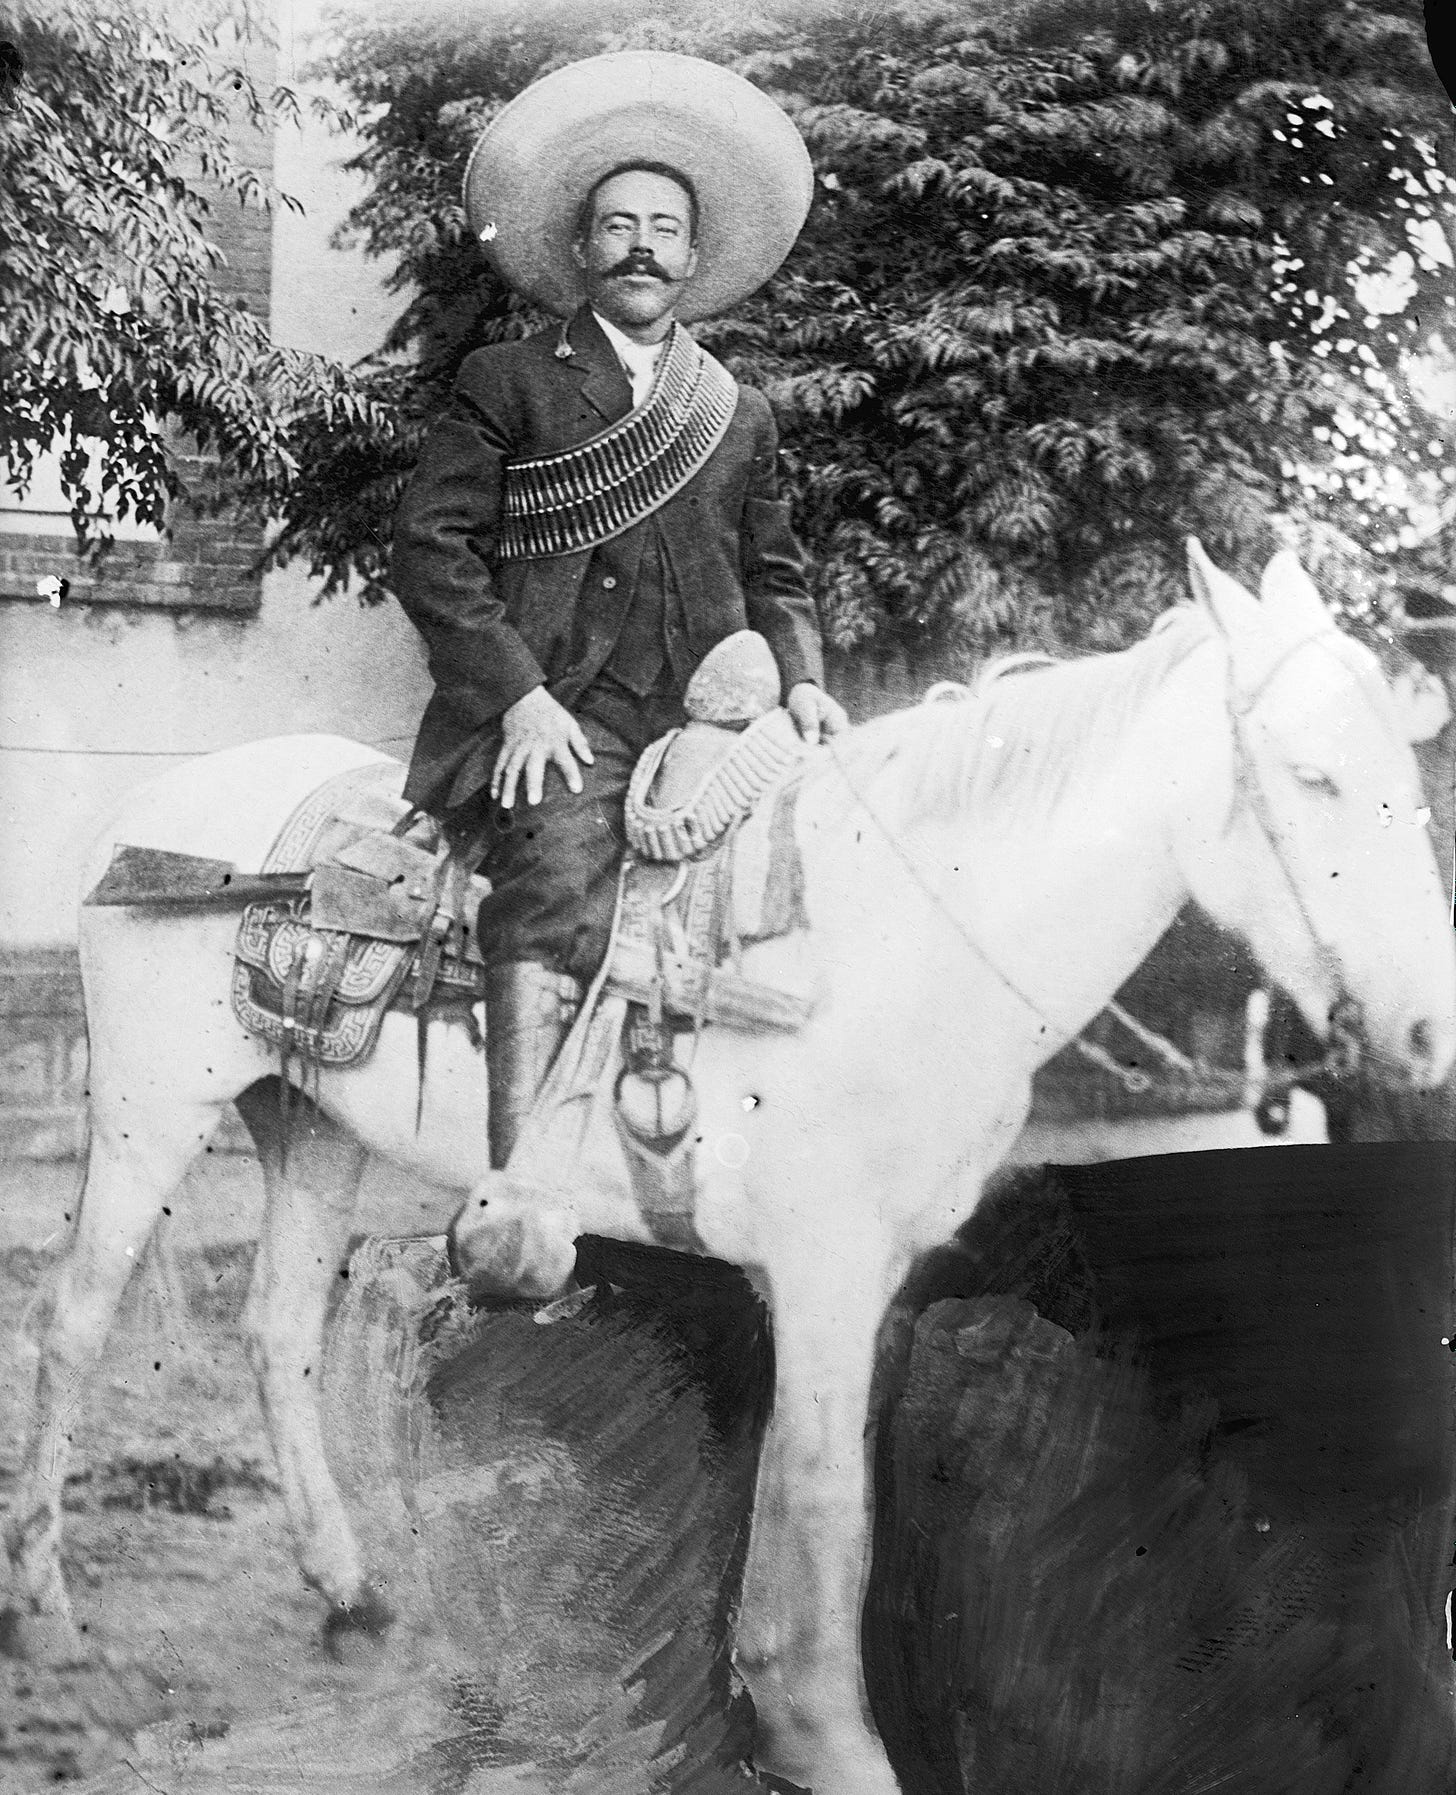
column 631, row 590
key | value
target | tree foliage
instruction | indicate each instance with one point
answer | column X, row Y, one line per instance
column 1049, row 315
column 117, row 343
column 1037, row 329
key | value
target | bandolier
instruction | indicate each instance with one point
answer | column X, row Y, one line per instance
column 560, row 504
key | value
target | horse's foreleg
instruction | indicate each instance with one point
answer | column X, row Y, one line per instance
column 130, row 1174
column 798, row 1639
column 311, row 1189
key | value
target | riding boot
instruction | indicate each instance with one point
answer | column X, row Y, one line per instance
column 529, row 1010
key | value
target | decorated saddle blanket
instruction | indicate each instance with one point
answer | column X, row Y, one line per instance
column 385, row 922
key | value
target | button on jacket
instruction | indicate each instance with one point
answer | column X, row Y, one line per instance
column 724, row 553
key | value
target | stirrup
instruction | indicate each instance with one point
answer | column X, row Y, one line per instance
column 655, row 1108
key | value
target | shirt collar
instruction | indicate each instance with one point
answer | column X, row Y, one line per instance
column 637, row 356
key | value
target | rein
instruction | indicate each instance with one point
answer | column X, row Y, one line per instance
column 1188, row 1075
column 1346, row 1048
column 1196, row 1077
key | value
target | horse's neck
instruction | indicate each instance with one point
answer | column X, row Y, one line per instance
column 1079, row 902
column 1087, row 898
column 1071, row 915
column 1043, row 918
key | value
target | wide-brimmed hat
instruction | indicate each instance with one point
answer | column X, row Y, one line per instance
column 543, row 153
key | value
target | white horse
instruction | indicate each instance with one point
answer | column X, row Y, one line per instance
column 980, row 877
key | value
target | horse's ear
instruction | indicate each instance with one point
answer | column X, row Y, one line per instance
column 1233, row 609
column 1291, row 596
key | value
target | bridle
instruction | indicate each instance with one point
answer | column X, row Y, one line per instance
column 1189, row 1075
column 1347, row 1033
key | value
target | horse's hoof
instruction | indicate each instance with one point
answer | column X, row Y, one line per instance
column 38, row 1638
column 364, row 1621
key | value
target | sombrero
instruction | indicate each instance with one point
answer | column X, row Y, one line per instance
column 541, row 155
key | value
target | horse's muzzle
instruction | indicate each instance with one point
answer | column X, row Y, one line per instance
column 1417, row 1056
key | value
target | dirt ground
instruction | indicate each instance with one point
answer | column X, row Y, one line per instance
column 565, row 1554
column 177, row 1553
column 601, row 1550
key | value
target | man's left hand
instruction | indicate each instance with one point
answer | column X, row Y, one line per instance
column 816, row 715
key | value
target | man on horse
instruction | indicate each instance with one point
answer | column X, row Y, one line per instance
column 598, row 507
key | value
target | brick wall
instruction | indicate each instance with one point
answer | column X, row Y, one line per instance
column 207, row 565
column 42, row 1054
column 206, row 562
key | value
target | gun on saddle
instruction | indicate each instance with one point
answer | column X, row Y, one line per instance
column 157, row 878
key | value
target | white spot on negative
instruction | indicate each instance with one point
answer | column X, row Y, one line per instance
column 731, row 1150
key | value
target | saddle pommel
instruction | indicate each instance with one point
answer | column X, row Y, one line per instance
column 736, row 682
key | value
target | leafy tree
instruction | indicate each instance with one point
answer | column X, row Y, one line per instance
column 1383, row 327
column 1041, row 322
column 1097, row 217
column 117, row 346
column 1050, row 312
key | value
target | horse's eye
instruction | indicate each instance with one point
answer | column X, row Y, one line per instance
column 1315, row 779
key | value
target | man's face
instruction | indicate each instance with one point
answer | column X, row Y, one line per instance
column 638, row 252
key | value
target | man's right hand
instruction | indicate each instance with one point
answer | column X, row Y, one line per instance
column 535, row 730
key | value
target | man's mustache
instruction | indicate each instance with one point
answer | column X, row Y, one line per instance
column 639, row 264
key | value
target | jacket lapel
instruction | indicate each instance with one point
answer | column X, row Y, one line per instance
column 604, row 382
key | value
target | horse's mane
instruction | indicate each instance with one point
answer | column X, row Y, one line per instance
column 1020, row 738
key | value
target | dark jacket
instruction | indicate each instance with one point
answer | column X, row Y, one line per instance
column 492, row 633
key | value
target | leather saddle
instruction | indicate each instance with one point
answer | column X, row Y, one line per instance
column 685, row 908
column 696, row 784
column 712, row 867
column 359, row 906
column 387, row 919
